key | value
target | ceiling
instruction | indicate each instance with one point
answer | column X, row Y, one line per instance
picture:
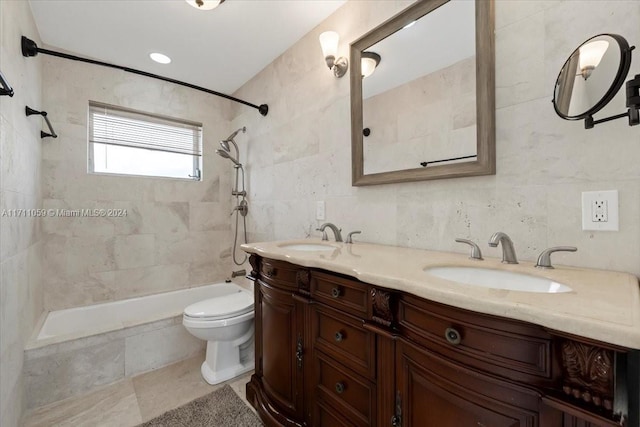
column 219, row 49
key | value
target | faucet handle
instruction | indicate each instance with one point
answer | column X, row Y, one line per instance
column 324, row 233
column 349, row 238
column 475, row 249
column 544, row 260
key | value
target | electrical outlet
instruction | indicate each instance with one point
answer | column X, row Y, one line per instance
column 320, row 211
column 600, row 210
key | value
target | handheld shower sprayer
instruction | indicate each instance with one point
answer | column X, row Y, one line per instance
column 242, row 207
column 226, row 155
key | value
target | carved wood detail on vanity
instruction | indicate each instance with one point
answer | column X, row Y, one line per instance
column 381, row 307
column 588, row 373
column 303, row 280
column 254, row 260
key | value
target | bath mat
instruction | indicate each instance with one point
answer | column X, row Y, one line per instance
column 222, row 407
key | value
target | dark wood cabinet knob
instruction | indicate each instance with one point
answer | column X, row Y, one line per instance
column 335, row 292
column 339, row 336
column 339, row 387
column 452, row 336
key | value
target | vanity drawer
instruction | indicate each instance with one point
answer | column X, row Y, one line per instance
column 504, row 347
column 343, row 338
column 326, row 416
column 279, row 273
column 340, row 293
column 346, row 390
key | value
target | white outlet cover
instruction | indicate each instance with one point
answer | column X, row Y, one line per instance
column 588, row 200
column 320, row 210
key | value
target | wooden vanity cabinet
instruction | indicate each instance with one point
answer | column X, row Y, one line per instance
column 437, row 392
column 279, row 326
column 333, row 351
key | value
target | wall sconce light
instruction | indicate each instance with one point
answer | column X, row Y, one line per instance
column 205, row 4
column 329, row 43
column 590, row 56
column 370, row 61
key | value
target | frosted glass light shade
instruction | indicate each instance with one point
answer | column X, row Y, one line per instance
column 329, row 43
column 368, row 66
column 204, row 4
column 368, row 63
column 590, row 56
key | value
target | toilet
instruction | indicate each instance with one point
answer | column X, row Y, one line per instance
column 226, row 323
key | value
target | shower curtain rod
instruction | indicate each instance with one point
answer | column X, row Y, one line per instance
column 30, row 48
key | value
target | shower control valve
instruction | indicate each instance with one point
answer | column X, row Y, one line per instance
column 243, row 208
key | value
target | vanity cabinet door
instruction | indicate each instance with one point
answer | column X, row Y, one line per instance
column 281, row 335
column 434, row 392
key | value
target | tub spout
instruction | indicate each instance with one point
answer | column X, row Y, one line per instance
column 238, row 273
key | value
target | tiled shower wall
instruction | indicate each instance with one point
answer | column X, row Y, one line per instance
column 300, row 152
column 21, row 292
column 401, row 139
column 176, row 233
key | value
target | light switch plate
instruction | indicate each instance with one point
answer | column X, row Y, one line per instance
column 600, row 210
column 320, row 211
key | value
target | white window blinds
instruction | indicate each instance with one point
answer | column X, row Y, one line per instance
column 122, row 127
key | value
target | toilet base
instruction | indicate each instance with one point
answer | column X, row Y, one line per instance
column 228, row 359
column 219, row 376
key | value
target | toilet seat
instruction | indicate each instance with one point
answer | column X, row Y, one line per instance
column 220, row 308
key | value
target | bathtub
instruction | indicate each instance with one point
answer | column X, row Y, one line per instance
column 62, row 325
column 78, row 349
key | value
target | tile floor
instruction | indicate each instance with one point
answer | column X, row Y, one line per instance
column 131, row 401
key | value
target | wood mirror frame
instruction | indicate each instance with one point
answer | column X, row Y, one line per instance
column 485, row 163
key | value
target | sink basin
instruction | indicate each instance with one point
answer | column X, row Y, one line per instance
column 307, row 247
column 498, row 279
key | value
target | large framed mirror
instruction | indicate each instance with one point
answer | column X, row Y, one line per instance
column 427, row 109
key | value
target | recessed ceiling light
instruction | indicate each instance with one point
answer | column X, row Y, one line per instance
column 160, row 58
column 205, row 4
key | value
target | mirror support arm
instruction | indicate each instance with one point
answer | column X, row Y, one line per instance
column 589, row 123
column 633, row 103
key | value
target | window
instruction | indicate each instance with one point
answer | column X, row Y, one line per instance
column 128, row 142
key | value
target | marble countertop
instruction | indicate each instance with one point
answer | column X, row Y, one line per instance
column 603, row 305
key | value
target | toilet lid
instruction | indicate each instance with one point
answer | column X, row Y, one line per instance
column 221, row 307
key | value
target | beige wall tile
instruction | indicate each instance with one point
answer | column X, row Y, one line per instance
column 134, row 250
column 21, row 295
column 541, row 159
column 155, row 349
column 89, row 260
column 56, row 377
column 150, row 280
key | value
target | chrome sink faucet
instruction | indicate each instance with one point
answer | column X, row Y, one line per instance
column 475, row 252
column 336, row 231
column 508, row 251
column 544, row 260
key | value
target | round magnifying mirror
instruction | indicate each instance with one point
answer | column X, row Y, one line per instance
column 591, row 76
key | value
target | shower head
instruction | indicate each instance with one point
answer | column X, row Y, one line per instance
column 225, row 142
column 230, row 137
column 226, row 155
column 225, row 146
